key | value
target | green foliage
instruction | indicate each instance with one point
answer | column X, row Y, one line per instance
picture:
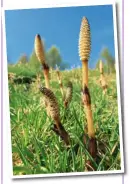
column 53, row 58
column 39, row 149
column 30, row 68
column 21, row 70
column 34, row 64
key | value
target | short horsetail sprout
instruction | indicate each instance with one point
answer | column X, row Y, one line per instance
column 54, row 112
column 84, row 48
column 101, row 67
column 40, row 53
column 60, row 82
column 68, row 95
column 102, row 78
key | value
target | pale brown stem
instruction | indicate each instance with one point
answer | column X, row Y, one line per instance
column 85, row 72
column 87, row 105
column 47, row 83
column 88, row 112
column 91, row 131
column 46, row 75
column 101, row 68
column 101, row 71
column 92, row 144
column 60, row 83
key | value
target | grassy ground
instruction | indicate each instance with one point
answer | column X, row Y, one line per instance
column 37, row 149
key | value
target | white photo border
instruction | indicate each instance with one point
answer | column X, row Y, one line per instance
column 117, row 81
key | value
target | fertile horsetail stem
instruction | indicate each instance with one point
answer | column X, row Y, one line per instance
column 55, row 114
column 84, row 53
column 40, row 53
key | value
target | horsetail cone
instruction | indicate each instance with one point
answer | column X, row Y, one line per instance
column 54, row 112
column 84, row 40
column 40, row 53
column 39, row 49
column 52, row 103
column 84, row 48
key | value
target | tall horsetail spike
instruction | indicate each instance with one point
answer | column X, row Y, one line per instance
column 39, row 49
column 84, row 40
column 51, row 102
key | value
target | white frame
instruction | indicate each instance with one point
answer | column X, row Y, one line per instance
column 117, row 81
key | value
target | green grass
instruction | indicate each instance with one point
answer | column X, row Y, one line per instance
column 21, row 70
column 37, row 149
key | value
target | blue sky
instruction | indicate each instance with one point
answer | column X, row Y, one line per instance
column 60, row 27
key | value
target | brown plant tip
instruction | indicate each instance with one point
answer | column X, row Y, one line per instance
column 39, row 49
column 51, row 103
column 92, row 147
column 84, row 40
column 86, row 96
column 38, row 36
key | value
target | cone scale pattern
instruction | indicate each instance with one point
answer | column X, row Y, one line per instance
column 84, row 40
column 51, row 103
